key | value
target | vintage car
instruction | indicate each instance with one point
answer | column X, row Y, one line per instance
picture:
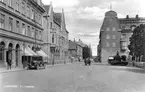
column 111, row 59
column 35, row 62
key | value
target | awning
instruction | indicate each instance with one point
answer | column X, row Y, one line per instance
column 31, row 51
column 41, row 53
column 26, row 52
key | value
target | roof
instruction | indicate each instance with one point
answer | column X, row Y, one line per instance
column 140, row 19
column 47, row 7
column 57, row 17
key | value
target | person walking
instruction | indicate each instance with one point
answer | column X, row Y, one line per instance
column 9, row 62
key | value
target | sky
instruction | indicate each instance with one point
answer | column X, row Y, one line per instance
column 84, row 17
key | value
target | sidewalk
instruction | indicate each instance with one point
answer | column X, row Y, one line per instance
column 4, row 70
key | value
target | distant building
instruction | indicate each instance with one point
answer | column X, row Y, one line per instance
column 20, row 29
column 80, row 46
column 72, row 50
column 76, row 49
column 115, row 34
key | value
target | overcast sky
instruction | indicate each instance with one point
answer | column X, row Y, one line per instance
column 84, row 17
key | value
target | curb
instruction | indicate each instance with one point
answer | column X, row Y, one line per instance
column 48, row 66
column 7, row 71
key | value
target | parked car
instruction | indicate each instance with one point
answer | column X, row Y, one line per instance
column 35, row 62
column 111, row 59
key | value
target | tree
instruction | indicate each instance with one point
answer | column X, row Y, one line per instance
column 87, row 52
column 136, row 46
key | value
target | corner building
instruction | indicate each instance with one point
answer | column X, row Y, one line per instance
column 20, row 28
column 109, row 36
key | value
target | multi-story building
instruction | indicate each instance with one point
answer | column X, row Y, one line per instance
column 72, row 49
column 63, row 38
column 80, row 46
column 125, row 27
column 20, row 28
column 109, row 36
column 76, row 49
column 57, row 35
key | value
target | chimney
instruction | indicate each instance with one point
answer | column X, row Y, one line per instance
column 127, row 16
column 136, row 16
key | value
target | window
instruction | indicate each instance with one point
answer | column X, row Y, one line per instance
column 17, row 26
column 114, row 37
column 32, row 15
column 107, row 37
column 108, row 29
column 23, row 8
column 17, row 5
column 23, row 29
column 36, row 33
column 53, row 38
column 29, row 32
column 10, row 2
column 114, row 44
column 123, row 36
column 10, row 24
column 40, row 35
column 33, row 33
column 2, row 21
column 124, row 44
column 107, row 44
column 40, row 20
column 51, row 25
column 28, row 11
column 113, row 29
column 36, row 16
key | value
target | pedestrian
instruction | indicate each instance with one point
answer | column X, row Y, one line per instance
column 9, row 64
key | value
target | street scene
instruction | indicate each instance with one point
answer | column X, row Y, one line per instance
column 72, row 46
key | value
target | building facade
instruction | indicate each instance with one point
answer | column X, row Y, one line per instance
column 125, row 27
column 80, row 46
column 57, row 36
column 72, row 49
column 109, row 36
column 20, row 27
